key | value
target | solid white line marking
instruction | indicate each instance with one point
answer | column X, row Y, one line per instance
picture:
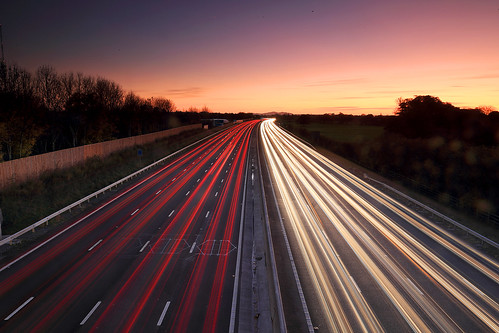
column 158, row 192
column 171, row 213
column 90, row 313
column 143, row 247
column 238, row 260
column 192, row 247
column 135, row 211
column 293, row 266
column 187, row 193
column 93, row 246
column 19, row 308
column 355, row 284
column 207, row 214
column 160, row 321
column 419, row 291
column 212, row 247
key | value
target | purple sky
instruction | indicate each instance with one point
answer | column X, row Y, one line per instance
column 309, row 56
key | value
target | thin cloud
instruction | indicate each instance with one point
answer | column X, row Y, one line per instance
column 336, row 82
column 188, row 92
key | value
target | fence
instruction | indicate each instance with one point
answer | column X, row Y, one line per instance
column 10, row 239
column 16, row 171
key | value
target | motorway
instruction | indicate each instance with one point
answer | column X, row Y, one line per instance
column 163, row 254
column 352, row 259
column 185, row 249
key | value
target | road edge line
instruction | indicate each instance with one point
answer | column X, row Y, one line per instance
column 270, row 245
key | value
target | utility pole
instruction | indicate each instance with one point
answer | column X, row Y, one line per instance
column 1, row 42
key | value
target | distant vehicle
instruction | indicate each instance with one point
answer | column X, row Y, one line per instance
column 214, row 122
column 219, row 122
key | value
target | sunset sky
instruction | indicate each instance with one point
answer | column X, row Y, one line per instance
column 300, row 56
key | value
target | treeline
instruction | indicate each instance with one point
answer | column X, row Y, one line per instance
column 47, row 111
column 428, row 117
column 448, row 153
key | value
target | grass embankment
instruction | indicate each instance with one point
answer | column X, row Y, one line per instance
column 26, row 203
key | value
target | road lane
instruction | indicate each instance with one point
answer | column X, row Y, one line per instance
column 160, row 252
column 368, row 262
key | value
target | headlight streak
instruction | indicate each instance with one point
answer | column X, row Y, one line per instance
column 296, row 174
column 417, row 220
column 401, row 238
column 374, row 218
column 331, row 304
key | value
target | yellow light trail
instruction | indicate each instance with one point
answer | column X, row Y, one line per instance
column 310, row 195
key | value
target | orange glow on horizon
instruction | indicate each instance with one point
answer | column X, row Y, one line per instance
column 296, row 56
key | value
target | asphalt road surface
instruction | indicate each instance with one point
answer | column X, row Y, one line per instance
column 160, row 255
column 184, row 250
column 352, row 259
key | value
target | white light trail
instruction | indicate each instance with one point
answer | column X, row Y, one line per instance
column 315, row 193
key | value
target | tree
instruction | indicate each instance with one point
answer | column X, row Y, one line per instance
column 68, row 86
column 109, row 95
column 48, row 87
column 19, row 135
column 18, row 112
column 132, row 106
column 427, row 117
column 163, row 104
column 84, row 84
column 422, row 116
column 487, row 109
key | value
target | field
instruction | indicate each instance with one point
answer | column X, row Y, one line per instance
column 344, row 133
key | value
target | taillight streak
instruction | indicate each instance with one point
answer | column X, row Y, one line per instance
column 187, row 224
column 188, row 299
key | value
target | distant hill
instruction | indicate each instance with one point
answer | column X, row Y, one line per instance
column 275, row 113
